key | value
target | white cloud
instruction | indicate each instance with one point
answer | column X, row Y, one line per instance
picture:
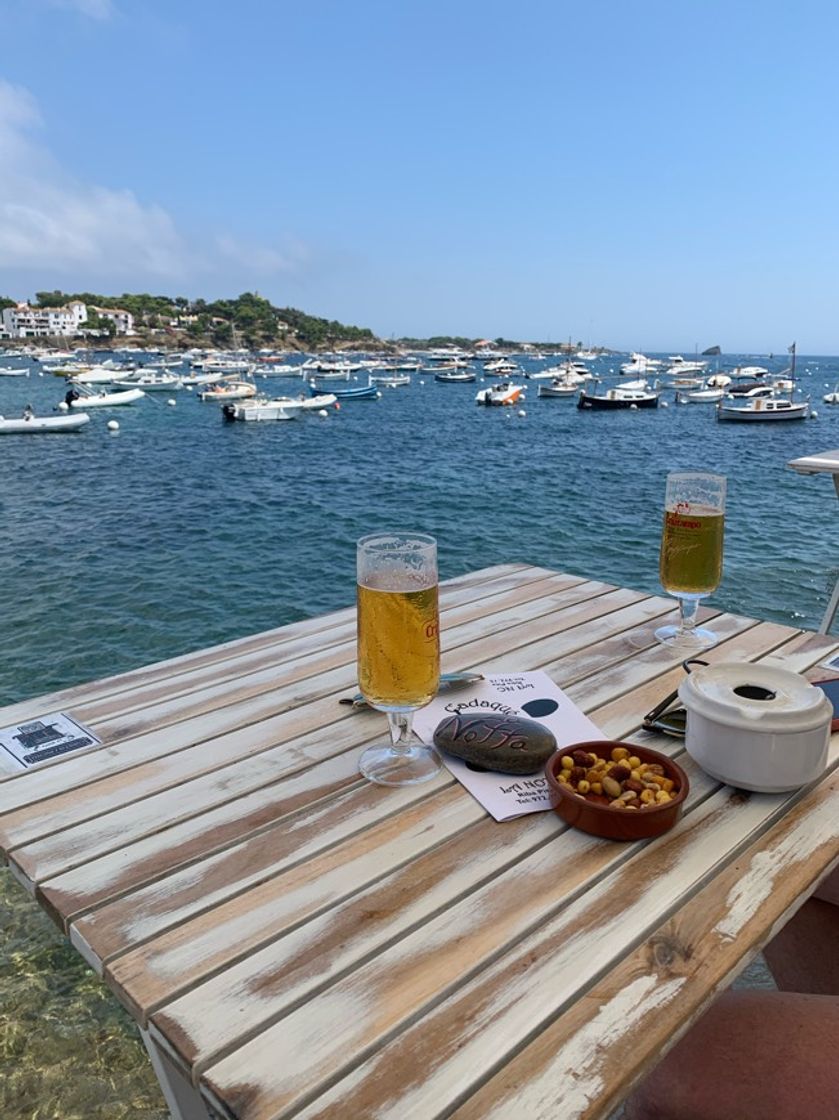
column 96, row 9
column 55, row 224
column 49, row 218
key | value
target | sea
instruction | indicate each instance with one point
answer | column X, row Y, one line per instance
column 180, row 531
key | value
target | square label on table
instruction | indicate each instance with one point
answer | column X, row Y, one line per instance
column 40, row 740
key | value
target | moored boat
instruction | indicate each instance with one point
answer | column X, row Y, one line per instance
column 39, row 425
column 228, row 391
column 280, row 408
column 622, row 397
column 450, row 376
column 355, row 393
column 106, row 400
column 763, row 409
column 504, row 394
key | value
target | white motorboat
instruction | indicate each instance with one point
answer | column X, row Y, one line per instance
column 390, row 380
column 763, row 409
column 151, row 382
column 679, row 366
column 38, row 425
column 107, row 400
column 568, row 371
column 505, row 394
column 284, row 370
column 12, row 371
column 281, row 408
column 500, row 367
column 229, row 391
column 94, row 375
column 639, row 364
column 559, row 387
column 701, row 396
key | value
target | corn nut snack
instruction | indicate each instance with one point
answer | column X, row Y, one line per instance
column 621, row 782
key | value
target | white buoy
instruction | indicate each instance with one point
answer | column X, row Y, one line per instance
column 422, row 382
column 189, row 388
column 64, row 407
column 113, row 425
column 633, row 407
column 378, row 395
column 522, row 412
column 171, row 402
column 663, row 404
column 814, row 415
column 322, row 413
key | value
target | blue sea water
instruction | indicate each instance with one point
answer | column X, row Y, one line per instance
column 181, row 531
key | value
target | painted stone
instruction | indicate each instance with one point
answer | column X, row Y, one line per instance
column 509, row 744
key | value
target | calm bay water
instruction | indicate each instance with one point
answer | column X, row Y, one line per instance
column 182, row 531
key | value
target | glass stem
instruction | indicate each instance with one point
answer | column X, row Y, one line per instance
column 401, row 730
column 688, row 607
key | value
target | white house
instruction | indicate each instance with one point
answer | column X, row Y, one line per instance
column 24, row 321
column 122, row 320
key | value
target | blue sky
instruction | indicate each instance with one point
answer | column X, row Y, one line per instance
column 627, row 172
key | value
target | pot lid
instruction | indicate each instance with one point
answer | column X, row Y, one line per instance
column 762, row 697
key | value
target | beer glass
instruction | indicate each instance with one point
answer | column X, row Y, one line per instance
column 398, row 649
column 690, row 563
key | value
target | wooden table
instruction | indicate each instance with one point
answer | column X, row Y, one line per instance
column 294, row 941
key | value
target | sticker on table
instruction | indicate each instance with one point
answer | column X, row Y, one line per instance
column 41, row 740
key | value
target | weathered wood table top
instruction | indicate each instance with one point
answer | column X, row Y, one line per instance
column 299, row 942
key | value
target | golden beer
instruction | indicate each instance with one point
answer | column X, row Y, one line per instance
column 398, row 646
column 691, row 551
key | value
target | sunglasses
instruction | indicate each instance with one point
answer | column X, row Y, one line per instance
column 673, row 722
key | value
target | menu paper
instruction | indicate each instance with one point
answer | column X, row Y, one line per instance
column 41, row 740
column 531, row 695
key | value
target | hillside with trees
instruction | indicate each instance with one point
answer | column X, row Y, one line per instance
column 249, row 320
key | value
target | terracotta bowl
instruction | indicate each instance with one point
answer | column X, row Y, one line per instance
column 602, row 820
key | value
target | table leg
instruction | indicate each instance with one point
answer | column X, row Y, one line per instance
column 833, row 605
column 182, row 1100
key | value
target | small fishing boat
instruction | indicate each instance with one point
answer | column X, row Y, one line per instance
column 701, row 396
column 559, row 387
column 622, row 397
column 390, row 380
column 39, row 425
column 452, row 376
column 229, row 391
column 280, row 408
column 355, row 393
column 763, row 409
column 107, row 400
column 504, row 394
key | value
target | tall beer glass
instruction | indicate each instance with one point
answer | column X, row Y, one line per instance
column 690, row 564
column 398, row 649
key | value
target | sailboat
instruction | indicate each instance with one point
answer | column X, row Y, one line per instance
column 766, row 408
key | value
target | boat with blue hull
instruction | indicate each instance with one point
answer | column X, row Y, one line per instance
column 355, row 393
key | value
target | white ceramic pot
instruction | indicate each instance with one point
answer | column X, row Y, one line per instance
column 756, row 727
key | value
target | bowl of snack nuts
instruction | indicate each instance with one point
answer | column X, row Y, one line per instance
column 619, row 791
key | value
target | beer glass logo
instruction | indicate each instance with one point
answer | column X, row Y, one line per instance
column 431, row 629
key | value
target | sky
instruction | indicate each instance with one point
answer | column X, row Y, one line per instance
column 638, row 174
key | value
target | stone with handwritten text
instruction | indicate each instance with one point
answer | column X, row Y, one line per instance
column 509, row 744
